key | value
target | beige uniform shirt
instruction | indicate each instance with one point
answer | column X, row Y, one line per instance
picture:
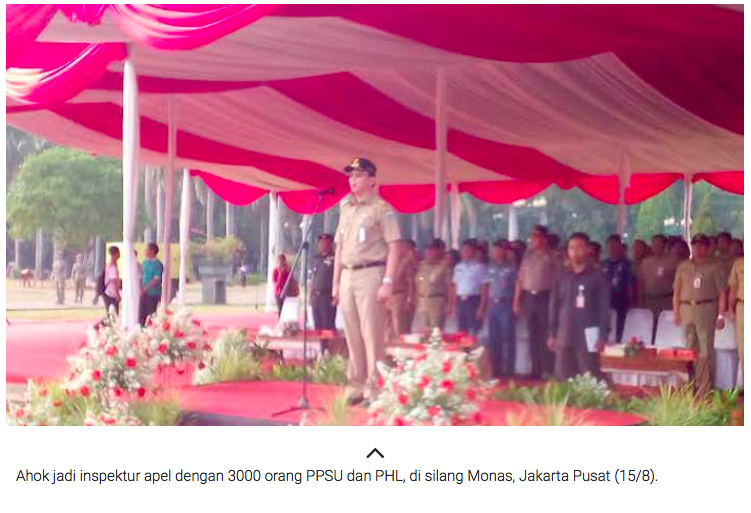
column 405, row 272
column 736, row 277
column 657, row 274
column 433, row 280
column 700, row 282
column 365, row 230
column 539, row 271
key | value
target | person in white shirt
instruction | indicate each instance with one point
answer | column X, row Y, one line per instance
column 112, row 284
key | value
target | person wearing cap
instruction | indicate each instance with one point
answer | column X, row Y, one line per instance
column 537, row 276
column 367, row 251
column 402, row 303
column 498, row 294
column 432, row 283
column 699, row 304
column 656, row 278
column 321, row 283
column 736, row 303
column 465, row 298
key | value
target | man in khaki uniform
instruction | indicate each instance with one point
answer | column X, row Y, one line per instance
column 736, row 298
column 656, row 277
column 58, row 276
column 432, row 282
column 78, row 276
column 367, row 249
column 402, row 303
column 699, row 303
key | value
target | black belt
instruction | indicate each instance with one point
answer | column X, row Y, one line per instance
column 739, row 300
column 467, row 298
column 366, row 265
column 658, row 296
column 694, row 302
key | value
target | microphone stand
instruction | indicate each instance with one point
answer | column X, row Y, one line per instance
column 303, row 403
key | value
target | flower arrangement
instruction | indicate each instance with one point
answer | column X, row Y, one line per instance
column 109, row 366
column 437, row 387
column 174, row 338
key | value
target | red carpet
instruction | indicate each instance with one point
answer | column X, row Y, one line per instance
column 38, row 350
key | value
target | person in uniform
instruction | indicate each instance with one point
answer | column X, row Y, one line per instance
column 321, row 283
column 736, row 303
column 699, row 303
column 537, row 276
column 432, row 284
column 367, row 251
column 467, row 281
column 402, row 303
column 726, row 260
column 657, row 274
column 498, row 293
column 58, row 276
column 579, row 314
column 78, row 275
column 618, row 270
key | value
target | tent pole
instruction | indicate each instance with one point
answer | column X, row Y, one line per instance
column 131, row 145
column 271, row 262
column 169, row 200
column 513, row 223
column 441, row 141
column 456, row 216
column 624, row 177
column 687, row 200
column 184, row 236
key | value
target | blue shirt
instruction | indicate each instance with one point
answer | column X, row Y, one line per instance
column 502, row 280
column 619, row 275
column 151, row 269
column 469, row 277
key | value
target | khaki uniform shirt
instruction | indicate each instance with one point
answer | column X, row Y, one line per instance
column 700, row 282
column 657, row 274
column 539, row 271
column 77, row 273
column 736, row 277
column 58, row 270
column 405, row 272
column 365, row 230
column 433, row 280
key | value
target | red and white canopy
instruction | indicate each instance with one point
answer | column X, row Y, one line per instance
column 281, row 97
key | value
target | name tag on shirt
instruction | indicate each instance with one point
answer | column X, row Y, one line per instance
column 361, row 234
column 697, row 282
column 660, row 271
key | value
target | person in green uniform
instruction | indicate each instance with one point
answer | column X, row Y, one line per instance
column 699, row 302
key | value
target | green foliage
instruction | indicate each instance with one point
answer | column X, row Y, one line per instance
column 703, row 221
column 69, row 194
column 218, row 248
column 331, row 370
column 680, row 407
column 18, row 146
column 337, row 413
column 157, row 412
column 582, row 391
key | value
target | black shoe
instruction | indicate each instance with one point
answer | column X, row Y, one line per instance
column 355, row 401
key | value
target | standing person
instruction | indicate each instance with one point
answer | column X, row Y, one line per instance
column 321, row 283
column 657, row 274
column 466, row 293
column 367, row 250
column 151, row 283
column 579, row 314
column 618, row 271
column 726, row 260
column 736, row 303
column 699, row 302
column 402, row 303
column 78, row 275
column 280, row 276
column 58, row 276
column 244, row 274
column 537, row 276
column 432, row 284
column 498, row 293
column 112, row 284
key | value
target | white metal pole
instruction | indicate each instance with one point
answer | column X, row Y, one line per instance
column 456, row 216
column 624, row 177
column 169, row 200
column 209, row 214
column 273, row 224
column 513, row 223
column 184, row 236
column 131, row 147
column 687, row 200
column 441, row 148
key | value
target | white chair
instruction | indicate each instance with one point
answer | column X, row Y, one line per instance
column 668, row 334
column 339, row 321
column 523, row 364
column 639, row 324
column 290, row 310
column 613, row 327
column 726, row 357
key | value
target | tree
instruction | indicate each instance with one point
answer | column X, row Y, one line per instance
column 18, row 146
column 68, row 194
column 703, row 221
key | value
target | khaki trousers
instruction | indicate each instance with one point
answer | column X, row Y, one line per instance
column 432, row 311
column 401, row 313
column 699, row 322
column 739, row 332
column 60, row 289
column 364, row 322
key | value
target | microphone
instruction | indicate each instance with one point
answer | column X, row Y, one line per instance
column 326, row 192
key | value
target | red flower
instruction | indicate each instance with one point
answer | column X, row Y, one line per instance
column 118, row 391
column 207, row 347
column 165, row 325
column 168, row 311
column 398, row 421
column 179, row 334
column 195, row 322
column 446, row 367
column 162, row 348
column 471, row 395
column 434, row 410
column 130, row 362
column 180, row 371
column 43, row 392
column 141, row 392
column 471, row 371
column 420, row 347
column 191, row 345
column 96, row 374
column 478, row 418
column 85, row 391
column 111, row 350
column 149, row 322
column 201, row 365
column 448, row 385
column 57, row 403
column 107, row 420
column 379, row 382
column 424, row 382
column 455, row 420
column 403, row 400
column 19, row 413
